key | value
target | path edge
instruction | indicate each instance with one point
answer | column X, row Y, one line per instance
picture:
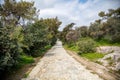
column 96, row 68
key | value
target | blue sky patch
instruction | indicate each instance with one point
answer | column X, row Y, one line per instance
column 83, row 1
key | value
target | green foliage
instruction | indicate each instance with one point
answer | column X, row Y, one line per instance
column 93, row 56
column 71, row 47
column 40, row 34
column 52, row 25
column 101, row 14
column 23, row 60
column 71, row 36
column 108, row 30
column 10, row 47
column 35, row 34
column 86, row 45
column 103, row 42
column 13, row 12
column 39, row 51
column 17, row 37
column 35, row 38
column 115, row 38
column 63, row 34
column 82, row 31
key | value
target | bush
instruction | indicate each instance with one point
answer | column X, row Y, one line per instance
column 37, row 37
column 10, row 46
column 86, row 45
column 115, row 38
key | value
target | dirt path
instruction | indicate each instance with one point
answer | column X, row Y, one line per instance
column 58, row 65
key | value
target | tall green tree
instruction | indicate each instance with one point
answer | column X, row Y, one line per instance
column 40, row 34
column 52, row 25
column 11, row 33
column 13, row 12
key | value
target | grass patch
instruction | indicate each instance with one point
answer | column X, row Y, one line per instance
column 93, row 56
column 72, row 48
column 26, row 75
column 106, row 43
column 26, row 59
column 23, row 60
column 90, row 56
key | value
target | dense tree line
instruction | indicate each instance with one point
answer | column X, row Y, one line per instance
column 84, row 38
column 21, row 32
column 106, row 28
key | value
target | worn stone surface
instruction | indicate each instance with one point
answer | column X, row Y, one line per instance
column 108, row 49
column 58, row 65
column 118, row 66
column 112, row 57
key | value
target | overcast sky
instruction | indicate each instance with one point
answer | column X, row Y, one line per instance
column 81, row 12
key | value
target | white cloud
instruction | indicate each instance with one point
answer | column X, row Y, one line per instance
column 73, row 10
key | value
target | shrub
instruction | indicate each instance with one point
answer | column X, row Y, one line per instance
column 10, row 46
column 115, row 38
column 86, row 45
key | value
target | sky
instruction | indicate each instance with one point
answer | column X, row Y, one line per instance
column 80, row 12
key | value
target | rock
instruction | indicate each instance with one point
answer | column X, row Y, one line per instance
column 117, row 66
column 108, row 49
column 116, row 57
column 112, row 58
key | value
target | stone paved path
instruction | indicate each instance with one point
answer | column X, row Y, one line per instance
column 58, row 65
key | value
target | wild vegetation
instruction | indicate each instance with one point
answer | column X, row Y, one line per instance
column 22, row 35
column 85, row 39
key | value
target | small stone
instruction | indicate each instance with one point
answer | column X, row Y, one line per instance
column 118, row 66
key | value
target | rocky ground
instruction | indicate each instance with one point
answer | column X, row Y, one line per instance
column 112, row 57
column 58, row 65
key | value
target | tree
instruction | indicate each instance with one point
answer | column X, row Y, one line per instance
column 82, row 31
column 52, row 25
column 113, row 23
column 13, row 12
column 10, row 46
column 96, row 31
column 71, row 36
column 106, row 28
column 35, row 37
column 101, row 14
column 41, row 33
column 66, row 30
column 11, row 33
